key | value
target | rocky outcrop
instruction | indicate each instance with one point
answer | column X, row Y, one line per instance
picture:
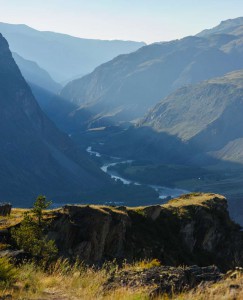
column 194, row 229
column 91, row 233
column 164, row 280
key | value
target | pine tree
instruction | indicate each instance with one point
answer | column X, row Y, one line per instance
column 31, row 237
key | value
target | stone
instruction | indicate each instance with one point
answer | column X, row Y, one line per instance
column 5, row 209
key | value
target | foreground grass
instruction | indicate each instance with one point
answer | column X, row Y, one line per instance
column 62, row 281
column 227, row 289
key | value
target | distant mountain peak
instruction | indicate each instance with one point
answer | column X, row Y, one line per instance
column 226, row 26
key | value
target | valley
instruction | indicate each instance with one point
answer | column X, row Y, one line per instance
column 137, row 166
column 121, row 161
column 113, row 166
column 142, row 128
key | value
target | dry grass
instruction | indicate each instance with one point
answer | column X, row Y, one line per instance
column 142, row 264
column 65, row 282
column 104, row 209
column 17, row 215
column 228, row 289
column 192, row 199
column 198, row 199
column 108, row 209
column 15, row 218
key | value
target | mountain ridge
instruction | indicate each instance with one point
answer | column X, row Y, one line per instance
column 124, row 88
column 77, row 55
column 227, row 26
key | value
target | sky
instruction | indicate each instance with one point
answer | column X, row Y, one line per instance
column 138, row 20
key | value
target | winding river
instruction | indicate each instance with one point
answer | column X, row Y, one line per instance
column 164, row 192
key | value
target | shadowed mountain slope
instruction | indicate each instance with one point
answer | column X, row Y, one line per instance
column 42, row 85
column 35, row 75
column 35, row 156
column 208, row 114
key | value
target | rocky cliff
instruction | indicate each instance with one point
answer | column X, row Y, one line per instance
column 193, row 229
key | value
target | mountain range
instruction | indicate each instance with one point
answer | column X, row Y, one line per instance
column 124, row 88
column 177, row 102
column 63, row 56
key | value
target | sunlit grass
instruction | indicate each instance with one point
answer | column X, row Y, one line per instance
column 63, row 281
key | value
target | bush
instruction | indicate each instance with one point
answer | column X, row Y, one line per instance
column 8, row 272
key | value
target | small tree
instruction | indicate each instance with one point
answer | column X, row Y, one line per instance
column 30, row 236
column 40, row 204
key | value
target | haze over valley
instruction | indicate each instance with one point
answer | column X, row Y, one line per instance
column 160, row 117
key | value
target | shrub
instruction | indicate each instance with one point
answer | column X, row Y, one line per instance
column 8, row 272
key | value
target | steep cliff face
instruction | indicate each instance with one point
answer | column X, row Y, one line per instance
column 194, row 229
column 35, row 157
column 92, row 233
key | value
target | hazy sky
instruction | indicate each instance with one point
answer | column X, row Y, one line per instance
column 141, row 20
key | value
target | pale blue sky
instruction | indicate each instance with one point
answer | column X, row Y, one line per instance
column 141, row 20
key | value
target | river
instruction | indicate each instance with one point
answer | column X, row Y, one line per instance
column 164, row 192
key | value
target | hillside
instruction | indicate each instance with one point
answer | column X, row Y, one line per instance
column 130, row 252
column 35, row 156
column 34, row 75
column 63, row 56
column 42, row 85
column 192, row 140
column 207, row 114
column 124, row 88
